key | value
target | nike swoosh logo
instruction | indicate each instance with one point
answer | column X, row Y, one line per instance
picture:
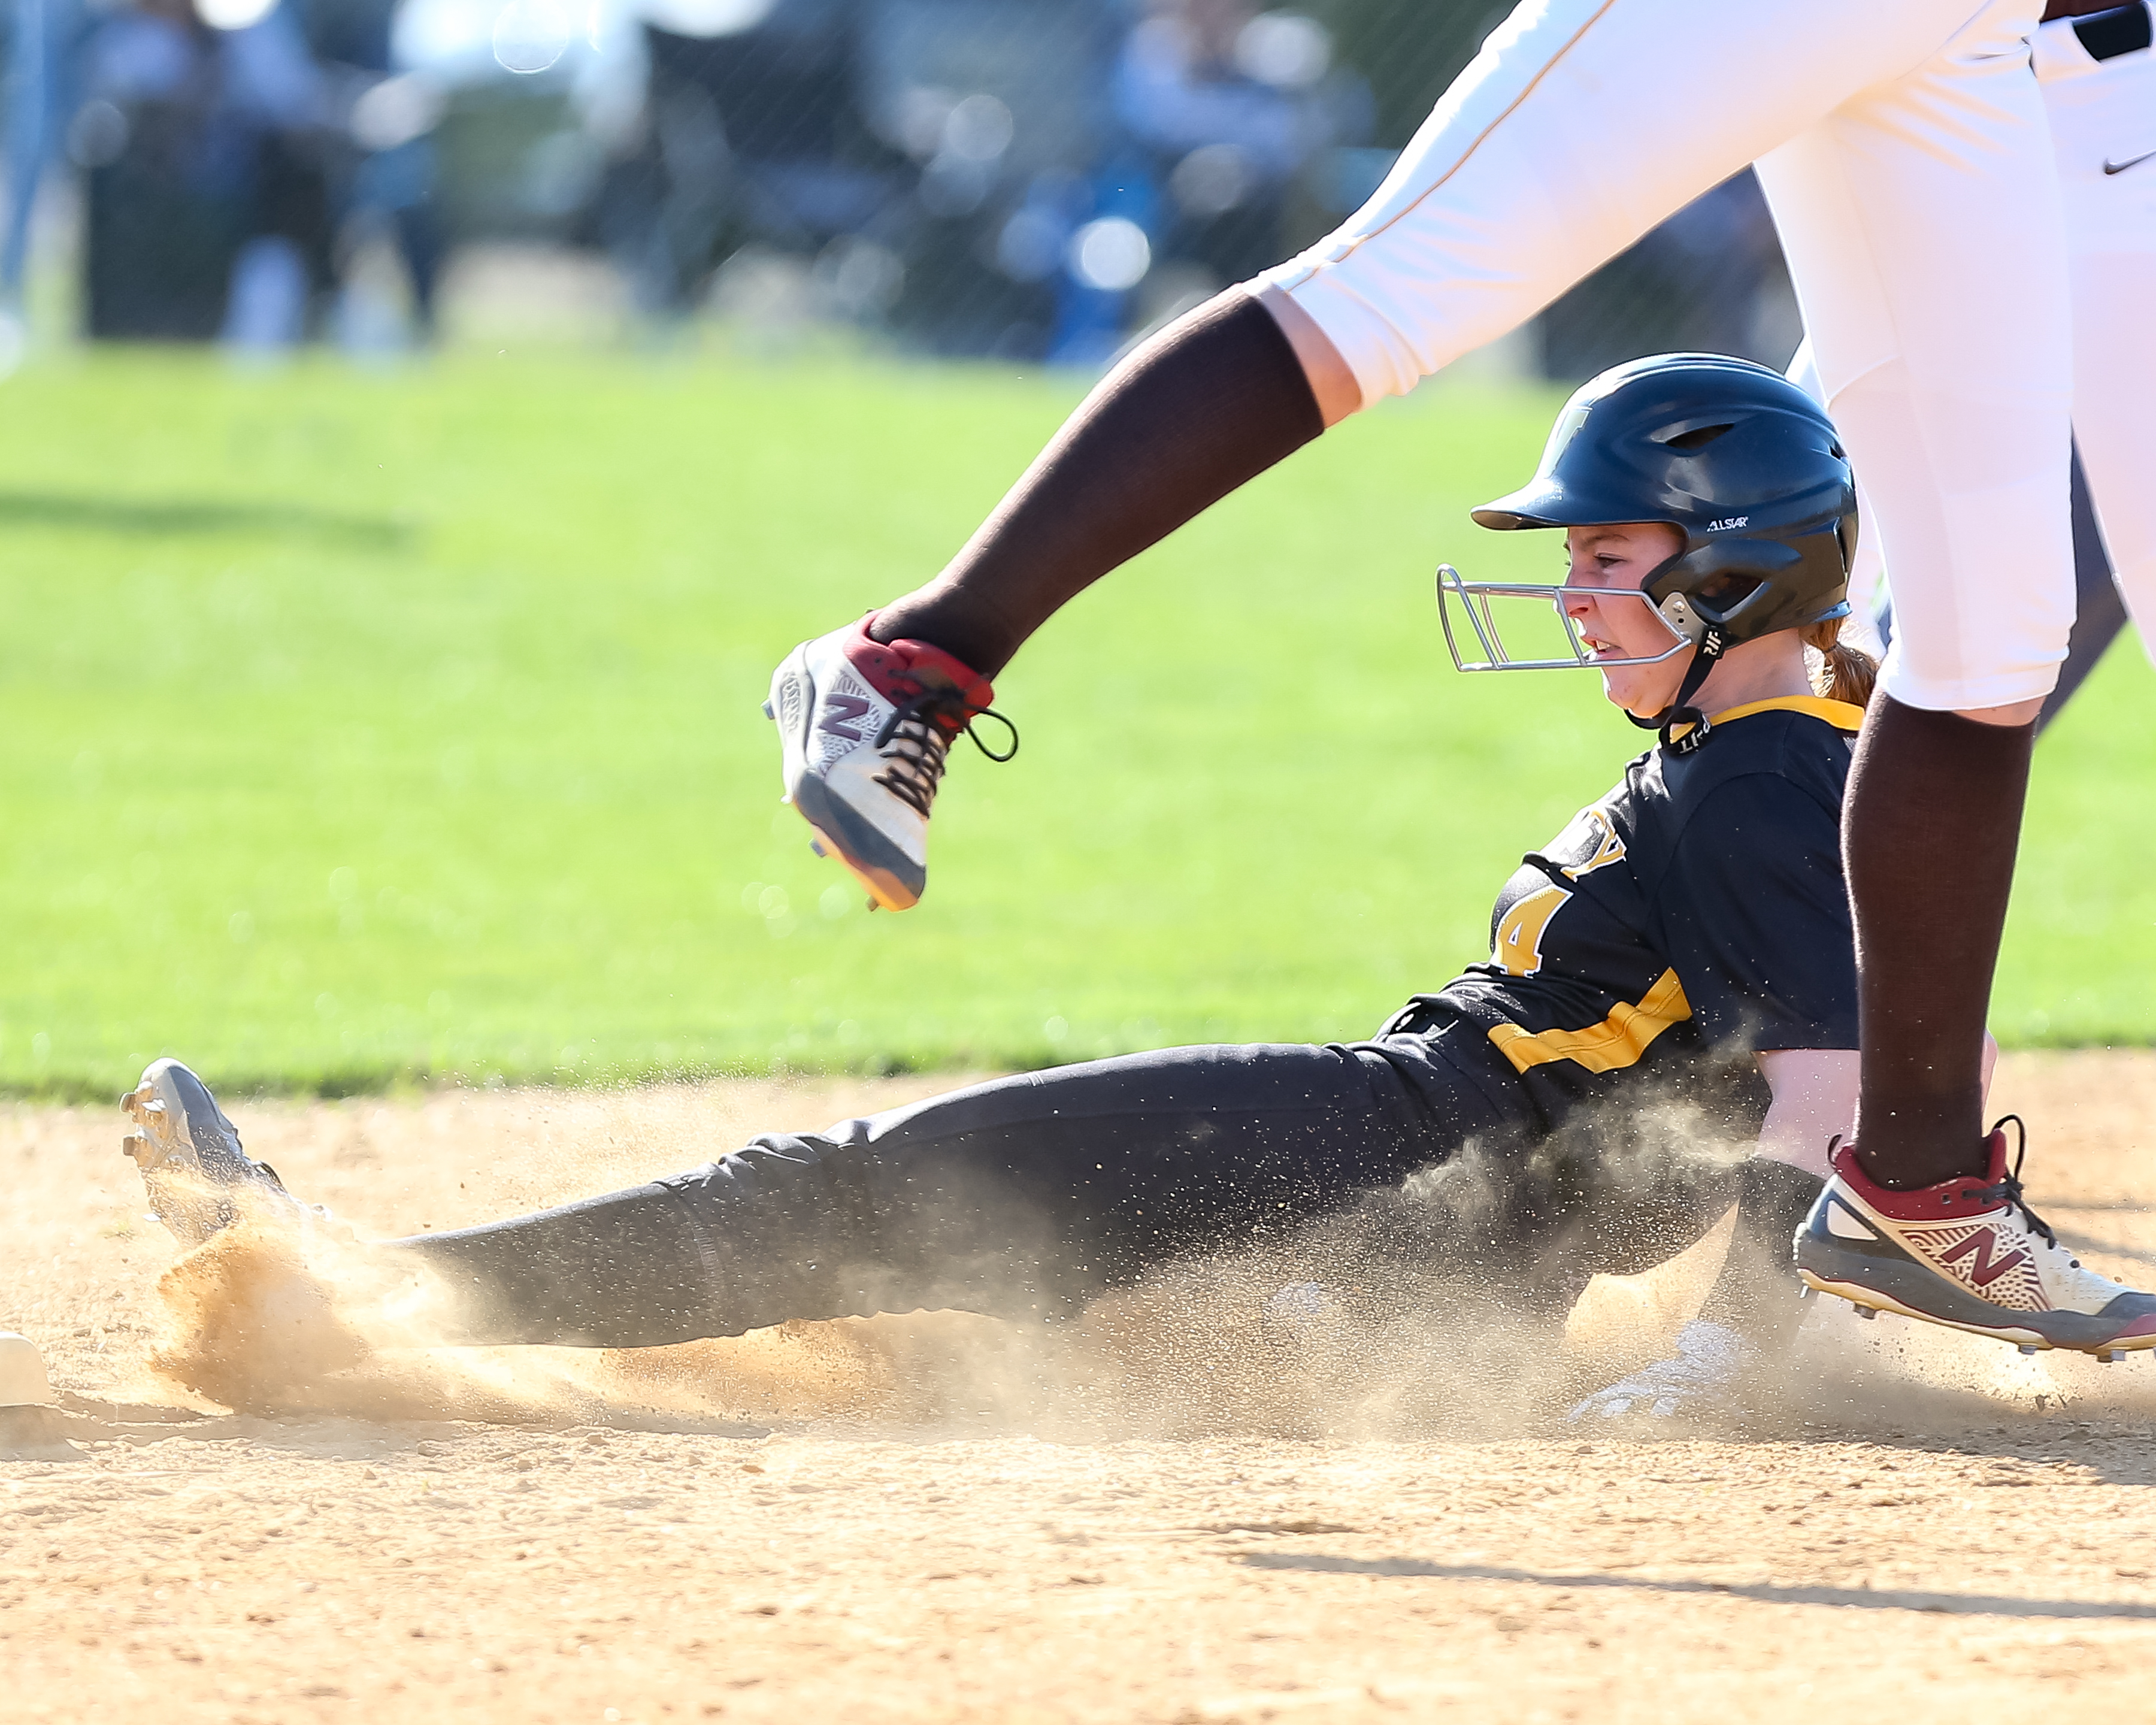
column 2120, row 167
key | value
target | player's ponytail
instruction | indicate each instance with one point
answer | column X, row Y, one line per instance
column 1843, row 673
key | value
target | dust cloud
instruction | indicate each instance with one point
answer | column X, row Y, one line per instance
column 1454, row 1304
column 1481, row 1300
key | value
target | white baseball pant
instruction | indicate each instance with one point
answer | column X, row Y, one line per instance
column 2103, row 135
column 2103, row 126
column 1868, row 588
column 1903, row 149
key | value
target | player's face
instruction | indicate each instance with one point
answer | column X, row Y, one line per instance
column 1622, row 557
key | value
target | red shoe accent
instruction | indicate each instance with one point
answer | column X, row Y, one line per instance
column 1964, row 1195
column 900, row 669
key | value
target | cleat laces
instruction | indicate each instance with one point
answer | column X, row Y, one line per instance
column 2008, row 1189
column 915, row 740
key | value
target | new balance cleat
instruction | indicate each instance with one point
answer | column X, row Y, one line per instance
column 1968, row 1253
column 1709, row 1359
column 865, row 731
column 198, row 1178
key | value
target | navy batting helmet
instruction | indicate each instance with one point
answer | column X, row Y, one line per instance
column 1737, row 458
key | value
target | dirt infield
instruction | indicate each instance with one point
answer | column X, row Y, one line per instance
column 927, row 1519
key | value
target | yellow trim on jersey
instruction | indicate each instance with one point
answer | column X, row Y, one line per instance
column 1842, row 714
column 1619, row 1040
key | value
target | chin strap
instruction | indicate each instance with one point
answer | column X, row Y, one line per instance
column 1681, row 711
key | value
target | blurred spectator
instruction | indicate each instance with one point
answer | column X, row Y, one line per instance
column 1233, row 104
column 207, row 147
column 1001, row 110
column 43, row 43
column 752, row 130
column 1184, row 83
column 388, row 190
column 393, row 187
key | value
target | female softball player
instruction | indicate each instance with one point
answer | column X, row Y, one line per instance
column 1905, row 152
column 1684, row 941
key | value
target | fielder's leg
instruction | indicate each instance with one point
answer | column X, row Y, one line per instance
column 1556, row 149
column 2099, row 612
column 1909, row 264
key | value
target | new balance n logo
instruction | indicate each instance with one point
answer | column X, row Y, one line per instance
column 1983, row 1269
column 840, row 713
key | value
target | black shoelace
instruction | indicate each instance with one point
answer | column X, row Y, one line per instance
column 915, row 739
column 2009, row 1188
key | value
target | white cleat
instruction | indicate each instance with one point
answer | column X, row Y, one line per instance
column 1968, row 1253
column 198, row 1176
column 865, row 732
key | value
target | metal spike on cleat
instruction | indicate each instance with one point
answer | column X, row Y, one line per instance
column 1866, row 1312
column 2029, row 1348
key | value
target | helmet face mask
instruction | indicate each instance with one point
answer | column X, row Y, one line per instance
column 1480, row 627
column 1734, row 457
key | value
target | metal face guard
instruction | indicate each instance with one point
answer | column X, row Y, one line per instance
column 1472, row 599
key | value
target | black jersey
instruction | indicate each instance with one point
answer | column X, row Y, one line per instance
column 1691, row 918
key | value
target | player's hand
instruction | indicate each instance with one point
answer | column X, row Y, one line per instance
column 1708, row 1358
column 1300, row 1315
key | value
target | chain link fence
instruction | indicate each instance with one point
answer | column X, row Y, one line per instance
column 1031, row 180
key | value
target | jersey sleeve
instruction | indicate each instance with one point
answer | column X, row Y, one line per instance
column 1753, row 916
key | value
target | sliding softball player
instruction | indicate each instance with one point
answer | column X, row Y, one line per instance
column 1685, row 939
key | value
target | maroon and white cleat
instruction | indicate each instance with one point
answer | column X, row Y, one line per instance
column 1968, row 1253
column 865, row 732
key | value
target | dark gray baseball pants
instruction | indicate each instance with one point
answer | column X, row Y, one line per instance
column 1024, row 1197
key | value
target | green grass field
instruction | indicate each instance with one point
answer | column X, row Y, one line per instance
column 364, row 729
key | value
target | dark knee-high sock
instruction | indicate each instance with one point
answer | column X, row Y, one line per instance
column 1929, row 829
column 1212, row 400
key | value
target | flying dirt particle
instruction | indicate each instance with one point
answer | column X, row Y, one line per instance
column 243, row 1311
